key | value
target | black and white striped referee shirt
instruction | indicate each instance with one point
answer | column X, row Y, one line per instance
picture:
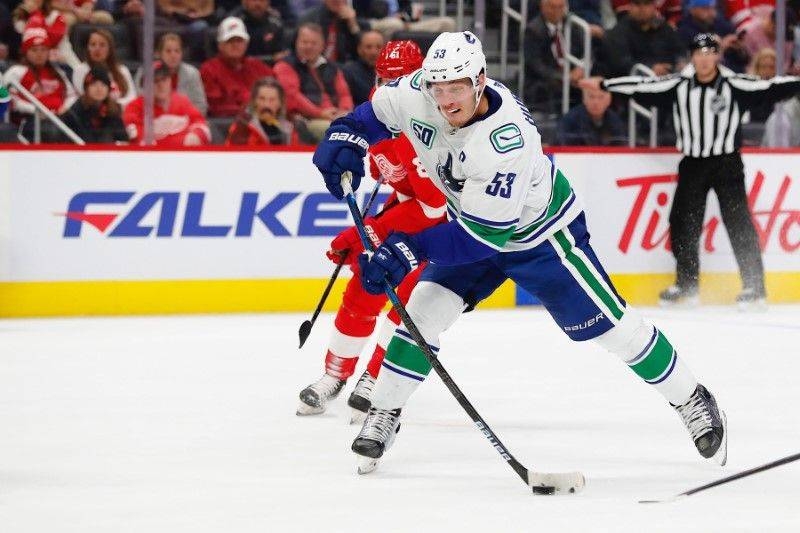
column 706, row 116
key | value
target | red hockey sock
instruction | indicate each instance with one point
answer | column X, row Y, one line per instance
column 374, row 366
column 340, row 367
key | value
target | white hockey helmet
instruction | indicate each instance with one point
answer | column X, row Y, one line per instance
column 453, row 56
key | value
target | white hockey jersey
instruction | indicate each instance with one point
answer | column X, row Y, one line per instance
column 499, row 185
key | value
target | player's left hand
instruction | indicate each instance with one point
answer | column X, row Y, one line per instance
column 396, row 257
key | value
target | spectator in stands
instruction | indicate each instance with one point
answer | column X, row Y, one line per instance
column 340, row 28
column 96, row 117
column 390, row 17
column 783, row 129
column 761, row 34
column 592, row 123
column 82, row 11
column 544, row 56
column 763, row 65
column 743, row 13
column 227, row 78
column 702, row 17
column 669, row 10
column 264, row 122
column 642, row 37
column 100, row 52
column 46, row 81
column 176, row 121
column 188, row 18
column 265, row 27
column 360, row 72
column 185, row 77
column 41, row 13
column 43, row 79
column 316, row 91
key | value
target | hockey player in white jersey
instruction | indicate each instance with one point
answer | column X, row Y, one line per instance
column 512, row 214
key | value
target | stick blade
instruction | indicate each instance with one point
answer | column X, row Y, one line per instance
column 305, row 331
column 559, row 483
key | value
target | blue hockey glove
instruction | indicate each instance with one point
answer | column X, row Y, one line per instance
column 342, row 149
column 396, row 257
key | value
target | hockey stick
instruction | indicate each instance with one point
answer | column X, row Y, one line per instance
column 728, row 479
column 540, row 483
column 305, row 327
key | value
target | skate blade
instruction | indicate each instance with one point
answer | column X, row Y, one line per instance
column 721, row 457
column 357, row 417
column 303, row 409
column 366, row 465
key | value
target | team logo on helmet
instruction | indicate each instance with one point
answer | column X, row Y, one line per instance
column 424, row 132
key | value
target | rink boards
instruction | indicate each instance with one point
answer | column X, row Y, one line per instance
column 152, row 232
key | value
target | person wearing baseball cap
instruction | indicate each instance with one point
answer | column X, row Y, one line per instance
column 708, row 101
column 228, row 77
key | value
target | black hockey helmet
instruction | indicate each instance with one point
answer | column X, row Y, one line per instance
column 704, row 40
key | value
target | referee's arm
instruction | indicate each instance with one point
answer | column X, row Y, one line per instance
column 647, row 91
column 749, row 91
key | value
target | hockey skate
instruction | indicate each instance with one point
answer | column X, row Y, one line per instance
column 751, row 300
column 707, row 425
column 677, row 296
column 315, row 397
column 359, row 398
column 376, row 436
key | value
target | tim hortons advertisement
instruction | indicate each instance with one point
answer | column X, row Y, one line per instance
column 628, row 196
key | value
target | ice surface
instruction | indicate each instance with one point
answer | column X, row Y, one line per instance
column 187, row 424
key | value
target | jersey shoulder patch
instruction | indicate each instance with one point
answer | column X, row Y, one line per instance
column 425, row 132
column 506, row 138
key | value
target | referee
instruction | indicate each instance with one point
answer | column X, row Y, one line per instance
column 708, row 102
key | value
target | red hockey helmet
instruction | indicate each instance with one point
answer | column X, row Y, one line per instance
column 398, row 58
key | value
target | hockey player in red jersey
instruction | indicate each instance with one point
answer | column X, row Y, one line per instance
column 414, row 205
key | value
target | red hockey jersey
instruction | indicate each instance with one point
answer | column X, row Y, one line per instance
column 170, row 125
column 416, row 203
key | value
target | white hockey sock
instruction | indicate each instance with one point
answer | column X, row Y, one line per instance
column 651, row 356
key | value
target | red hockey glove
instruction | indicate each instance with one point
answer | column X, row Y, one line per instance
column 347, row 245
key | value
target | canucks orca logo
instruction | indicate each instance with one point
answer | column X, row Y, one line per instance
column 424, row 132
column 506, row 138
column 445, row 172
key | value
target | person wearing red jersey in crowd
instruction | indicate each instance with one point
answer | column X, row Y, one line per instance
column 415, row 204
column 228, row 77
column 37, row 74
column 176, row 121
column 264, row 121
column 43, row 13
column 743, row 13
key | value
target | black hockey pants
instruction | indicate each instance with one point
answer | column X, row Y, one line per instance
column 725, row 175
